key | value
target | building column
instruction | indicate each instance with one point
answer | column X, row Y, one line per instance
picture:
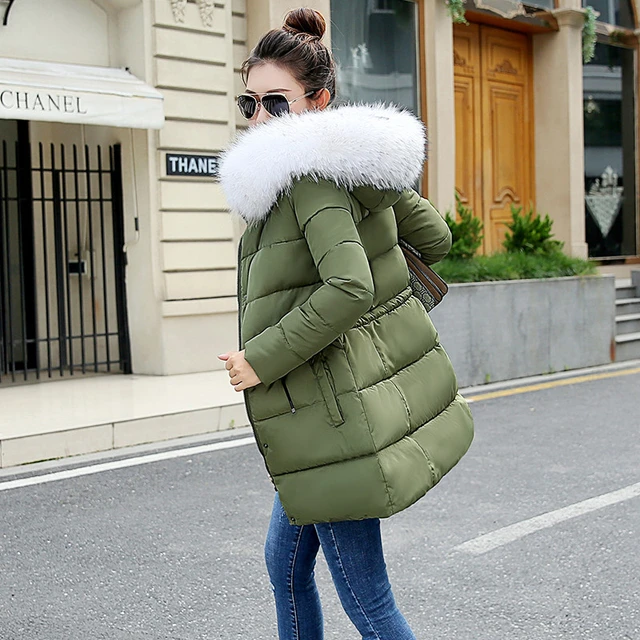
column 559, row 129
column 188, row 313
column 438, row 33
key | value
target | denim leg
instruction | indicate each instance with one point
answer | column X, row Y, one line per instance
column 354, row 554
column 290, row 554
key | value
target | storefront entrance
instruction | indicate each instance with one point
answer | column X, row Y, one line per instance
column 610, row 143
column 62, row 285
column 494, row 124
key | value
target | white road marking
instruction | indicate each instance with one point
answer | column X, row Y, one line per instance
column 500, row 537
column 123, row 464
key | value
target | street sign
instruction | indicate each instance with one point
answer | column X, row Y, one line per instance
column 187, row 164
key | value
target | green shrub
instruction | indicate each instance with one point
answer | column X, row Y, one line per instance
column 531, row 250
column 466, row 231
column 530, row 233
column 513, row 266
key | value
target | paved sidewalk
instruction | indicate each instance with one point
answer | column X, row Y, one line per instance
column 72, row 417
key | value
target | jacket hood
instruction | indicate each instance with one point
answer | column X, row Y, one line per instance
column 375, row 151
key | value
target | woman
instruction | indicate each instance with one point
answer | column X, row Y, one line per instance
column 353, row 402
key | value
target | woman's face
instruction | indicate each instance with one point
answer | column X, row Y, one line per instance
column 270, row 78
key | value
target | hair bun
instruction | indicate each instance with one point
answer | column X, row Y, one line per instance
column 305, row 21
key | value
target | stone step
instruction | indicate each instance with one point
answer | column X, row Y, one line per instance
column 629, row 323
column 627, row 305
column 626, row 291
column 628, row 347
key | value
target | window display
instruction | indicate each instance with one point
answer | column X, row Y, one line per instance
column 375, row 45
column 610, row 150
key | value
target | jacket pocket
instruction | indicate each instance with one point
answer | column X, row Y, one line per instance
column 325, row 382
column 288, row 394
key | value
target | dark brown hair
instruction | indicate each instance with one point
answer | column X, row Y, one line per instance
column 297, row 47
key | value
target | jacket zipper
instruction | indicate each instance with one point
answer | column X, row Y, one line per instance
column 239, row 293
column 245, row 393
column 286, row 391
column 240, row 345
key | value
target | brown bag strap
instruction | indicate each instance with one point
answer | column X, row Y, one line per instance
column 436, row 286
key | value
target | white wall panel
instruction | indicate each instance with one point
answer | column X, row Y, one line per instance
column 193, row 21
column 195, row 46
column 193, row 105
column 194, row 196
column 185, row 256
column 204, row 136
column 239, row 6
column 180, row 74
column 197, row 226
column 200, row 284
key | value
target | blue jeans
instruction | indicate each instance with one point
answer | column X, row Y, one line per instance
column 353, row 550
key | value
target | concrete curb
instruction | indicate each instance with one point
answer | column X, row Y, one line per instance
column 32, row 448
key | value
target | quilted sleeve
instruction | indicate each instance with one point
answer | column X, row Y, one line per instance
column 323, row 213
column 422, row 227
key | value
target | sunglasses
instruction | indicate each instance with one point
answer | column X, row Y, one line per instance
column 275, row 104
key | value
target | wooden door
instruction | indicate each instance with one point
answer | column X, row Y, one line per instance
column 468, row 110
column 494, row 142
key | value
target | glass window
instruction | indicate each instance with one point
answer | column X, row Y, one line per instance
column 375, row 46
column 609, row 152
column 618, row 12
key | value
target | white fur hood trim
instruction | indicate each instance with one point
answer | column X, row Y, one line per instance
column 353, row 146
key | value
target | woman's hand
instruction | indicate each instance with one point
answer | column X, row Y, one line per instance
column 240, row 371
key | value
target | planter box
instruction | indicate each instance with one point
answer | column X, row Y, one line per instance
column 510, row 329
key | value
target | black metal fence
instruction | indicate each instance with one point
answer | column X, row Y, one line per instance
column 62, row 262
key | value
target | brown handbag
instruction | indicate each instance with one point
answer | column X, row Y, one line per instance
column 426, row 284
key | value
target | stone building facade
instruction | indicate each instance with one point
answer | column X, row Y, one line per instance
column 120, row 255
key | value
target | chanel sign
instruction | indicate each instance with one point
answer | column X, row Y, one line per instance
column 44, row 102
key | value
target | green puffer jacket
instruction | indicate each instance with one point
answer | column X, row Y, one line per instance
column 358, row 414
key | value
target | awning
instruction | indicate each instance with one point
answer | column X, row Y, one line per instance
column 34, row 90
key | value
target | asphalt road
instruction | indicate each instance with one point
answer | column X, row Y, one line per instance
column 173, row 549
